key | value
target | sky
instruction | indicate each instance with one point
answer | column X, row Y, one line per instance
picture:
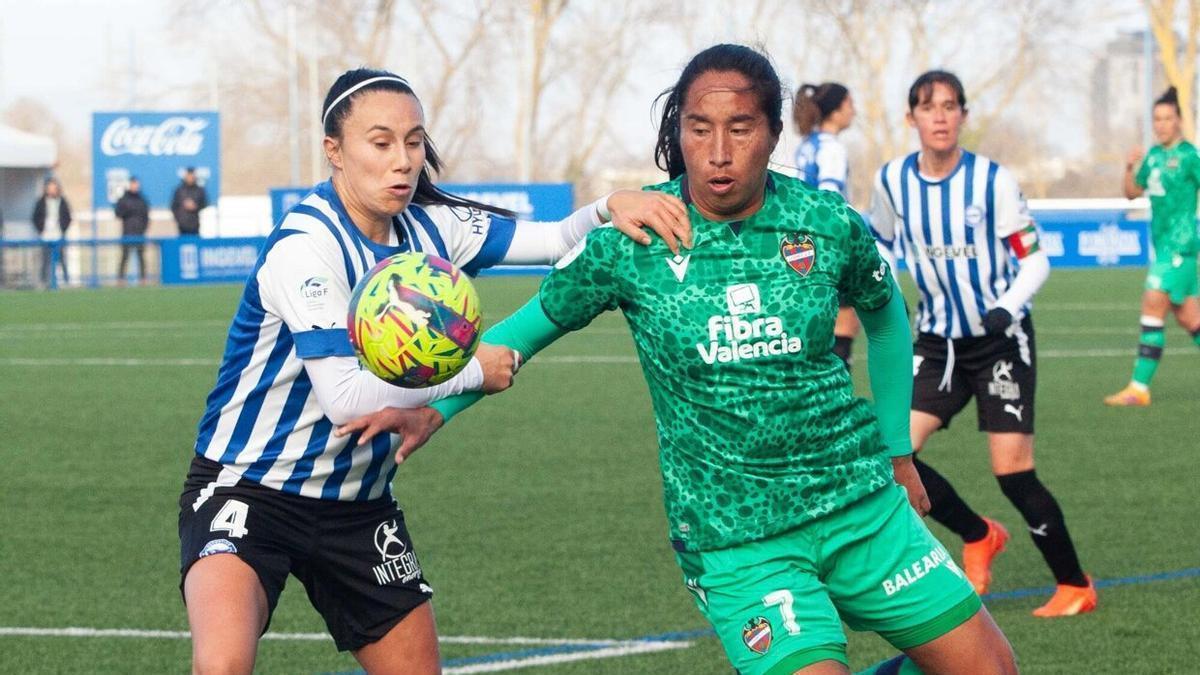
column 65, row 53
column 57, row 52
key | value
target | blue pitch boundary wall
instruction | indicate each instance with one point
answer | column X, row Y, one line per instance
column 1072, row 239
column 1039, row 591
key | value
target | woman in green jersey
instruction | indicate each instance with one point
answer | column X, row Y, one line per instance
column 1170, row 175
column 787, row 497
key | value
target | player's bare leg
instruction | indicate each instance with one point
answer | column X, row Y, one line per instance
column 976, row 647
column 1187, row 314
column 227, row 611
column 409, row 648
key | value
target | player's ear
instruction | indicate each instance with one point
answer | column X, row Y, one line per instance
column 333, row 152
column 910, row 120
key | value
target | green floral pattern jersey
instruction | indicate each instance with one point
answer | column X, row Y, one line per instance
column 1171, row 177
column 759, row 428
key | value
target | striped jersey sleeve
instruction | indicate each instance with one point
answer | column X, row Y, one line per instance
column 470, row 238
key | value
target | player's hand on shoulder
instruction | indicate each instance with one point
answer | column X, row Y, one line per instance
column 499, row 365
column 635, row 210
column 414, row 425
column 906, row 475
column 997, row 321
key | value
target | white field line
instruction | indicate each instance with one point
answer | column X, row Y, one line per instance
column 622, row 649
column 185, row 635
column 111, row 325
column 594, row 649
column 1131, row 307
column 1124, row 352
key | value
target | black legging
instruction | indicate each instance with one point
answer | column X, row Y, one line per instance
column 139, row 251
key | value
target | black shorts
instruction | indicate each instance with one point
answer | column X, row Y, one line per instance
column 1000, row 371
column 355, row 559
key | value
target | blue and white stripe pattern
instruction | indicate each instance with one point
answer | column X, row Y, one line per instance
column 952, row 234
column 821, row 162
column 262, row 420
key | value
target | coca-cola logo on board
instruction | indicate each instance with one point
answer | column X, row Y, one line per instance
column 172, row 136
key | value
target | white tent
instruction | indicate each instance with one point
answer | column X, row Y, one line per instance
column 25, row 160
column 20, row 149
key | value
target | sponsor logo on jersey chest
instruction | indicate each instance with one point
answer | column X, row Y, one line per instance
column 742, row 336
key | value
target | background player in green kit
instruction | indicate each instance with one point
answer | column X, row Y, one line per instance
column 780, row 485
column 1170, row 175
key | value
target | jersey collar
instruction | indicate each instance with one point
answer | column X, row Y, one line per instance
column 327, row 191
column 731, row 228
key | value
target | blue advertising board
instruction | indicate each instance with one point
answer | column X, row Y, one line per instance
column 1093, row 238
column 192, row 260
column 530, row 201
column 284, row 198
column 155, row 147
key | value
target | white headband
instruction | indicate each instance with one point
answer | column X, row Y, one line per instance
column 360, row 85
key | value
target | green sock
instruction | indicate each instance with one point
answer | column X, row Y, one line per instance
column 1149, row 351
column 897, row 665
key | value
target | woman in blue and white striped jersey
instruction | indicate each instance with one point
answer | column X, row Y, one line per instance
column 273, row 490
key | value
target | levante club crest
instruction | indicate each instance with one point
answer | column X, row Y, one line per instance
column 798, row 252
column 757, row 635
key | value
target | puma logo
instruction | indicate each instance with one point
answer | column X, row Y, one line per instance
column 1015, row 410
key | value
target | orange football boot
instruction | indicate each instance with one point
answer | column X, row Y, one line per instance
column 1069, row 601
column 1131, row 396
column 978, row 555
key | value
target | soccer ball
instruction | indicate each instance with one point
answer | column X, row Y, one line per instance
column 414, row 320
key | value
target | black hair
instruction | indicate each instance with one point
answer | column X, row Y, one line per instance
column 1170, row 97
column 922, row 88
column 426, row 192
column 764, row 82
column 815, row 102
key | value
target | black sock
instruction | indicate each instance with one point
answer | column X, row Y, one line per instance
column 947, row 507
column 1046, row 524
column 841, row 347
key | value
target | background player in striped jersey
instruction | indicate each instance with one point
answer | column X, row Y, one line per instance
column 972, row 249
column 821, row 112
column 780, row 484
column 1170, row 176
column 272, row 490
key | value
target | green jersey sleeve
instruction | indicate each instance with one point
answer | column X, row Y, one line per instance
column 866, row 281
column 586, row 282
column 1143, row 172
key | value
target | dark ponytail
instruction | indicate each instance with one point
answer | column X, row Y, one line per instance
column 813, row 104
column 764, row 82
column 337, row 107
column 1170, row 97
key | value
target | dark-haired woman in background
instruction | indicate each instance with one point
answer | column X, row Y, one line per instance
column 273, row 490
column 821, row 112
column 1170, row 175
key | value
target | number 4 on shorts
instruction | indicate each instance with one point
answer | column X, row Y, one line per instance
column 784, row 600
column 232, row 519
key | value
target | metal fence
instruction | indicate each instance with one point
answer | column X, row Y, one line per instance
column 32, row 264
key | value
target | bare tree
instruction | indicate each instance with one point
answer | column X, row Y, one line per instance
column 1180, row 73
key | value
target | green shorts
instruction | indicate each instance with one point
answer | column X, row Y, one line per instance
column 777, row 604
column 1174, row 275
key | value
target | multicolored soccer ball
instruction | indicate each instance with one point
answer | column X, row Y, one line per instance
column 414, row 320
